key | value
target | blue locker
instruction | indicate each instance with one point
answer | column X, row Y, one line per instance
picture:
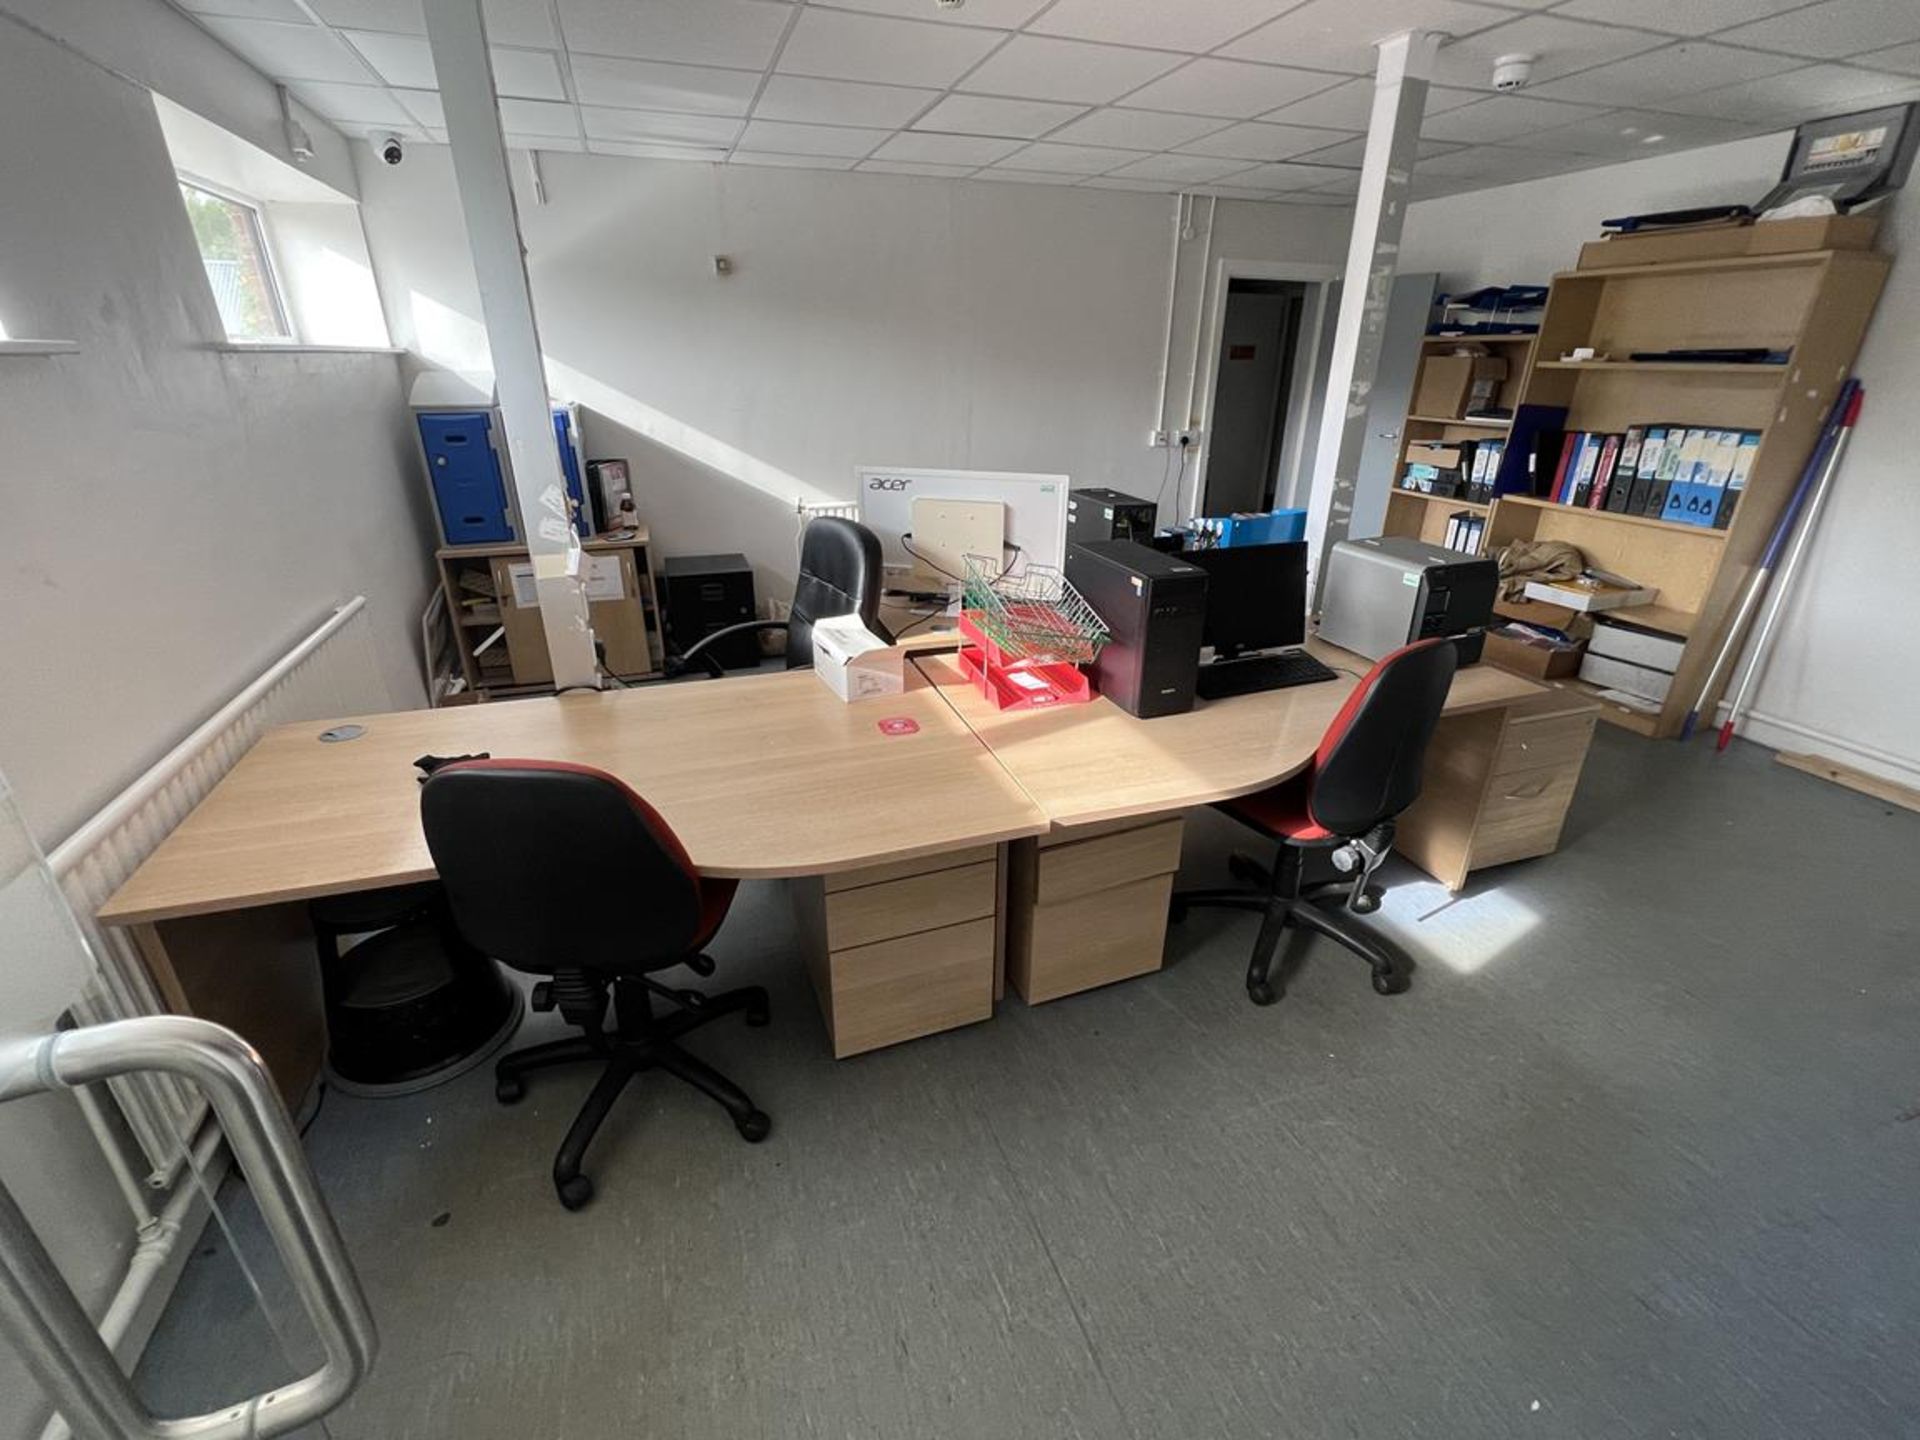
column 570, row 470
column 468, row 485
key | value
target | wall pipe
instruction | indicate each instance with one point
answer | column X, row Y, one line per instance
column 1173, row 287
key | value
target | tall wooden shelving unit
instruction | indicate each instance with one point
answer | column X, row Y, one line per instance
column 1815, row 304
column 1424, row 517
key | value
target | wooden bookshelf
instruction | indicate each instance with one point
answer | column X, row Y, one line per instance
column 1425, row 517
column 1814, row 304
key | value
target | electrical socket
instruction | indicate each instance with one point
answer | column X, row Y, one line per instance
column 1158, row 439
column 1186, row 439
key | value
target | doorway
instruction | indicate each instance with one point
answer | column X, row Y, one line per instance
column 1258, row 368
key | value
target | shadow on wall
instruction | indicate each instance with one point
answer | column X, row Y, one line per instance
column 697, row 493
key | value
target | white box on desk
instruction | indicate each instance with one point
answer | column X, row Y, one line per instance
column 855, row 663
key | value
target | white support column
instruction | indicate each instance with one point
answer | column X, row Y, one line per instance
column 458, row 36
column 1373, row 254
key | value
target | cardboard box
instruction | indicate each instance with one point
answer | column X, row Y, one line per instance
column 1537, row 659
column 1647, row 683
column 1714, row 242
column 1446, row 382
column 1637, row 645
column 855, row 663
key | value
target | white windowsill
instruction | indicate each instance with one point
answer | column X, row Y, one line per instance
column 39, row 347
column 281, row 347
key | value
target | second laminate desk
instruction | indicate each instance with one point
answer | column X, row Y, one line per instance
column 898, row 833
column 1087, row 902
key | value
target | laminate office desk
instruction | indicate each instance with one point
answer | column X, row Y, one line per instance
column 1087, row 902
column 925, row 863
column 760, row 776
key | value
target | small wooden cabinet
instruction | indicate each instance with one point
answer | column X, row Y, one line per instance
column 1088, row 906
column 1497, row 786
column 903, row 950
column 501, row 644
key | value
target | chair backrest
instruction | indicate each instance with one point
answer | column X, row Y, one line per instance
column 839, row 575
column 549, row 865
column 1367, row 769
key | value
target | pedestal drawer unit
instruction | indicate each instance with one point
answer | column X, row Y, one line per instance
column 1088, row 906
column 902, row 950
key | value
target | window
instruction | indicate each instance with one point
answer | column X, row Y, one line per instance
column 233, row 247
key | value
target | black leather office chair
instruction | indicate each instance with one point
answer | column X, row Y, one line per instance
column 840, row 574
column 561, row 870
column 1365, row 773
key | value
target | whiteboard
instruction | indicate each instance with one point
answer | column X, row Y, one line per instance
column 1036, row 508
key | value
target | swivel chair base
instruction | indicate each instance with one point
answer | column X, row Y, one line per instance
column 1290, row 904
column 640, row 1041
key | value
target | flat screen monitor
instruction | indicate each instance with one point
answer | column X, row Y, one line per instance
column 1256, row 596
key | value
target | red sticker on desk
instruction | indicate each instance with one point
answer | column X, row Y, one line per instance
column 900, row 725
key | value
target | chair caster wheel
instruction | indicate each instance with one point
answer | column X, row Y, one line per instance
column 1261, row 993
column 510, row 1091
column 1366, row 904
column 754, row 1126
column 1389, row 982
column 575, row 1193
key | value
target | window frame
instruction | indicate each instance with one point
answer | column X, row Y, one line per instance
column 263, row 243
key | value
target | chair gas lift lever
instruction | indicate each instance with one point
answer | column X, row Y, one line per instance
column 1360, row 857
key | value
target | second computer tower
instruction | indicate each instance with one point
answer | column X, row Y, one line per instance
column 1101, row 514
column 1389, row 591
column 1155, row 608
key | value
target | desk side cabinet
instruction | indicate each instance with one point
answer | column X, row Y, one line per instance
column 1497, row 786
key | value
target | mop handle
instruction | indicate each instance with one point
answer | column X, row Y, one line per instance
column 1776, row 602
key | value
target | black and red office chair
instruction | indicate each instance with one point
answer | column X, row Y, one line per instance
column 1365, row 773
column 561, row 870
column 840, row 574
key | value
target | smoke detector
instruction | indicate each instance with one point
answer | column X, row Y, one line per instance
column 948, row 4
column 1512, row 72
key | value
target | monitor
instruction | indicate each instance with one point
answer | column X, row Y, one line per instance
column 1256, row 596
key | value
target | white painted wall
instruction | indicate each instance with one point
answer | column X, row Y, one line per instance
column 171, row 519
column 1844, row 679
column 869, row 320
column 155, row 45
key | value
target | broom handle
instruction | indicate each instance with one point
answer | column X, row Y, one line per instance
column 1776, row 601
column 1756, row 586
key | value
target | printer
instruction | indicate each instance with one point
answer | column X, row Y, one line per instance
column 1385, row 592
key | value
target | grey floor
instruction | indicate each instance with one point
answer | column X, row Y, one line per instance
column 1633, row 1158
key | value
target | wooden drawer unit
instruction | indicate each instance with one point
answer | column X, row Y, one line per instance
column 903, row 950
column 1497, row 786
column 1089, row 907
column 905, row 907
column 913, row 985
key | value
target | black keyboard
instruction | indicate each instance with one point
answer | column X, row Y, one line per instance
column 1261, row 672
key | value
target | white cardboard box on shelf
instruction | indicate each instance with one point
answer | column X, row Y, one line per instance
column 1641, row 680
column 855, row 663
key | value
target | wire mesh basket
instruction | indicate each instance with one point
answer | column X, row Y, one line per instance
column 1034, row 618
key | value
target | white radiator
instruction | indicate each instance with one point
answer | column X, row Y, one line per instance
column 332, row 672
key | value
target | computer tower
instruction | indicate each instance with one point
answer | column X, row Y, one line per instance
column 706, row 593
column 1154, row 607
column 1383, row 593
column 1099, row 514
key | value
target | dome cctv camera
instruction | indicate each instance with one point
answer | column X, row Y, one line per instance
column 389, row 148
column 1512, row 72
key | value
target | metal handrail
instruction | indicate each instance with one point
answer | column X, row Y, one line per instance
column 46, row 1323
